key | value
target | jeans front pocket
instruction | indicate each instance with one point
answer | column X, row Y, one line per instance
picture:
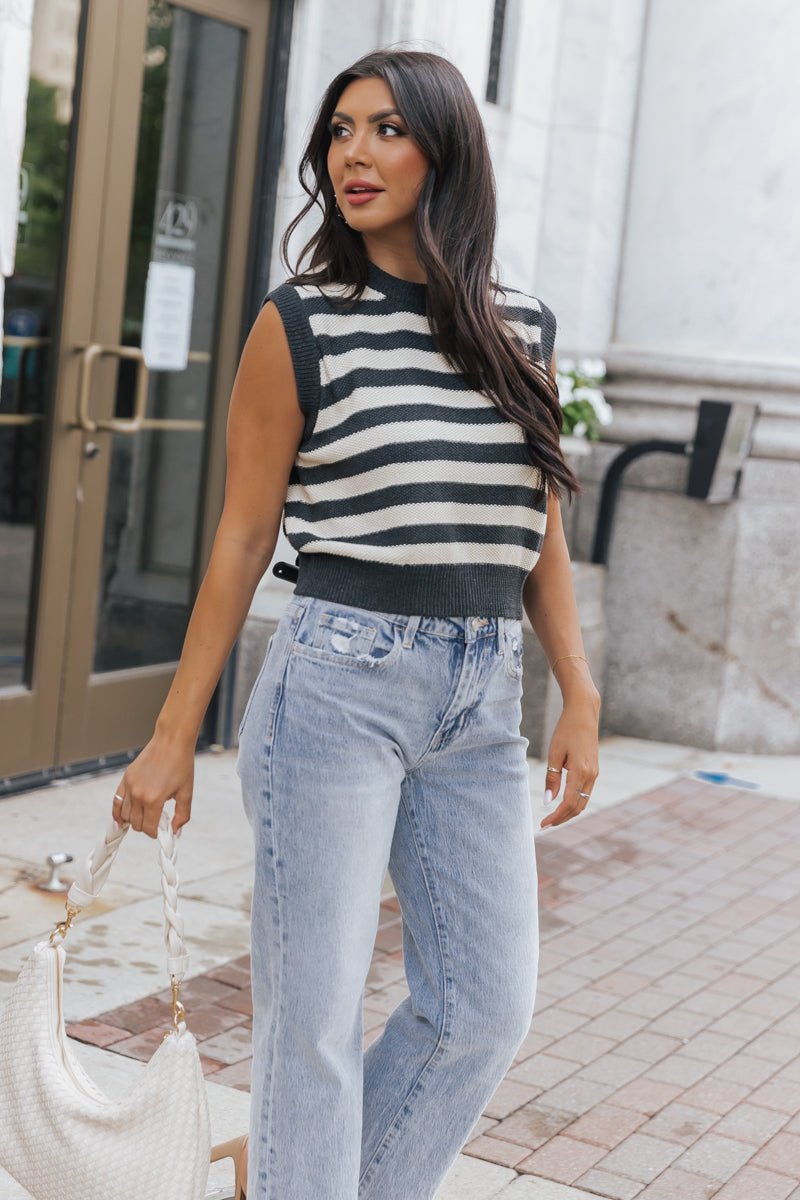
column 513, row 650
column 254, row 689
column 346, row 637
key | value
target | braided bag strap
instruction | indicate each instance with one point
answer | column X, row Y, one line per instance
column 94, row 872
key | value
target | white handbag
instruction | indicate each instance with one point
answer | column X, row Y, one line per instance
column 61, row 1137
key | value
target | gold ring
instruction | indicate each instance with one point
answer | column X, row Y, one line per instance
column 556, row 770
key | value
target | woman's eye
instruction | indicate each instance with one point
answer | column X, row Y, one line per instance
column 383, row 125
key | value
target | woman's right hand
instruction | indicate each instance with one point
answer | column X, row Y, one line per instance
column 162, row 770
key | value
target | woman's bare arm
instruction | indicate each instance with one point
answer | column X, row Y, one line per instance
column 548, row 597
column 265, row 426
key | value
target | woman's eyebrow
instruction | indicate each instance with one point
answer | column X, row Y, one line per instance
column 377, row 116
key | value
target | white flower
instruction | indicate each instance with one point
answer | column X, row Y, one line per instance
column 595, row 368
column 594, row 396
column 566, row 364
column 598, row 402
column 605, row 415
column 566, row 385
column 579, row 429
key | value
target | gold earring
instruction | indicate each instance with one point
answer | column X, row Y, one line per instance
column 338, row 210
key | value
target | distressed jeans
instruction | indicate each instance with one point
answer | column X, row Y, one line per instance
column 374, row 740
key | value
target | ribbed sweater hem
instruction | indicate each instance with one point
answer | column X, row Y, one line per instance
column 440, row 590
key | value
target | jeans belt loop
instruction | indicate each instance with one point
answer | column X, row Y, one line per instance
column 412, row 625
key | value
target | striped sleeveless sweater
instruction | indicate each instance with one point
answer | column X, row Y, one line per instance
column 410, row 493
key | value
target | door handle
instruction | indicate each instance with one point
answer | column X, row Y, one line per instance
column 89, row 355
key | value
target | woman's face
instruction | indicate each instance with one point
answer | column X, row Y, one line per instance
column 370, row 141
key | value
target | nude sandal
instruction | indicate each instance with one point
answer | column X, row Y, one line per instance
column 234, row 1149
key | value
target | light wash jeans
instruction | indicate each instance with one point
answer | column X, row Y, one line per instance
column 370, row 740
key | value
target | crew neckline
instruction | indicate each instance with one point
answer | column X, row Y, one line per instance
column 394, row 286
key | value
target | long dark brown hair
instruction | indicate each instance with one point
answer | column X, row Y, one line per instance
column 455, row 225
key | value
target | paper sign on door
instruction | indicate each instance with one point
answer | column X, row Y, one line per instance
column 167, row 324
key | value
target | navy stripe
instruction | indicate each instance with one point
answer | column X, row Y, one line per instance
column 395, row 339
column 405, row 414
column 410, row 452
column 502, row 495
column 516, row 311
column 420, row 535
column 393, row 378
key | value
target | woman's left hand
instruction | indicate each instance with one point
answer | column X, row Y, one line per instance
column 574, row 749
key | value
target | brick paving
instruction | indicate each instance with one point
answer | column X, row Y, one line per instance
column 663, row 1061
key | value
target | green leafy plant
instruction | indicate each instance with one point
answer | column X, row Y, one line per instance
column 583, row 405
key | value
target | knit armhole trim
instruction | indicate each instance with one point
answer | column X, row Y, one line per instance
column 549, row 327
column 304, row 350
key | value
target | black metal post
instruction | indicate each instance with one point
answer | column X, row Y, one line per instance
column 611, row 483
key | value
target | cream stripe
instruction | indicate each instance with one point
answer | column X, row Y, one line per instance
column 517, row 299
column 311, row 292
column 398, row 474
column 530, row 333
column 335, row 324
column 431, row 554
column 398, row 359
column 331, row 324
column 433, row 513
column 399, row 433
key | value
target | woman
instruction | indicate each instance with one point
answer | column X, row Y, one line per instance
column 402, row 409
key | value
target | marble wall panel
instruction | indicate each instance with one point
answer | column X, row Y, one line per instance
column 713, row 216
column 588, row 169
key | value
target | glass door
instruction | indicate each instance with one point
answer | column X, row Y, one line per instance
column 142, row 365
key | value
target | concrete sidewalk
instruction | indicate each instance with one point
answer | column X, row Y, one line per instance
column 664, row 1056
